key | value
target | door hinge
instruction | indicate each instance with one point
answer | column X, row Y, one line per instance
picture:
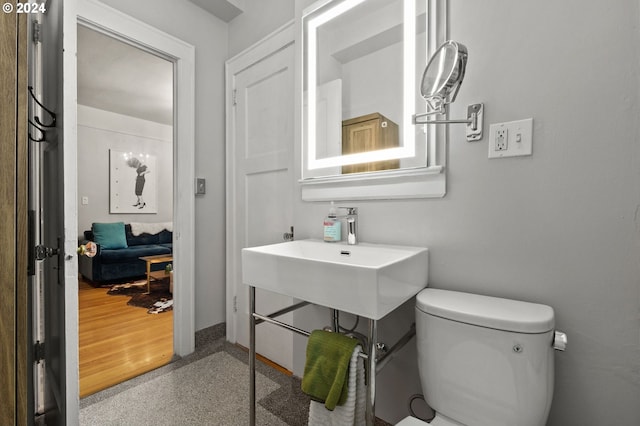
column 37, row 33
column 234, row 97
column 38, row 351
column 235, row 303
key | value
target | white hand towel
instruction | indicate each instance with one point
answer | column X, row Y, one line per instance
column 352, row 413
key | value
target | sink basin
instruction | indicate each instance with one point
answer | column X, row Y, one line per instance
column 370, row 280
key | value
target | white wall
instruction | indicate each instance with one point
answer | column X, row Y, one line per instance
column 208, row 34
column 99, row 132
column 560, row 227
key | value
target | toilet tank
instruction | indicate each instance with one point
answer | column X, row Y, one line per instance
column 485, row 360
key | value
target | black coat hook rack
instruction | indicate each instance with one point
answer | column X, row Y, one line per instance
column 42, row 127
column 42, row 132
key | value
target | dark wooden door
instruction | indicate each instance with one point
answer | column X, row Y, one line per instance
column 14, row 309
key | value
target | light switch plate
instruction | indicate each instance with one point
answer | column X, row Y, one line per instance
column 511, row 139
column 200, row 186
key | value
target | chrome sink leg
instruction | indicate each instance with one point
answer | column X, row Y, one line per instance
column 372, row 338
column 252, row 356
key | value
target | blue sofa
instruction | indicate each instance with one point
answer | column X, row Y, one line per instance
column 123, row 264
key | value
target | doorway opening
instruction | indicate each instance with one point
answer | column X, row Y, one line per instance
column 125, row 174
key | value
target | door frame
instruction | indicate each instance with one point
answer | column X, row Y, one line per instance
column 279, row 39
column 112, row 22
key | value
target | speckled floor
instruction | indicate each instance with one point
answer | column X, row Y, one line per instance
column 208, row 387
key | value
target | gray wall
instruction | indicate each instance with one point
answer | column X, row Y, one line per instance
column 560, row 227
column 208, row 34
column 259, row 19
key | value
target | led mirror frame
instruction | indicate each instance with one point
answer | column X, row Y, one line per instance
column 408, row 148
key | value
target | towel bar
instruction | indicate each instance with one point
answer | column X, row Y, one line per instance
column 263, row 318
column 285, row 310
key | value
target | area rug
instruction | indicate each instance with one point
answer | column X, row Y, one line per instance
column 157, row 301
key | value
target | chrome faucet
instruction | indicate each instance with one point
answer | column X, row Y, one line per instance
column 352, row 224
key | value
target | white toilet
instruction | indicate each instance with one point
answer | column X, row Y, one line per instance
column 484, row 360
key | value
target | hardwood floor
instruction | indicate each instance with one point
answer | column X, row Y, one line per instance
column 118, row 342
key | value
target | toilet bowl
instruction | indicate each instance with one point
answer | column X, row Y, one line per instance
column 484, row 361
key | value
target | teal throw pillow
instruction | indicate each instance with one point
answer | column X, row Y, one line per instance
column 109, row 235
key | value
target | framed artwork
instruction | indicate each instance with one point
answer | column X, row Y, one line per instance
column 133, row 182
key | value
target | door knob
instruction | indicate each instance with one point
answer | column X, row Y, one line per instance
column 89, row 249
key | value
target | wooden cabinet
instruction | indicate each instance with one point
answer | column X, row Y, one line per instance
column 369, row 132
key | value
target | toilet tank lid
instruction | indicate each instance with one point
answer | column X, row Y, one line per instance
column 486, row 311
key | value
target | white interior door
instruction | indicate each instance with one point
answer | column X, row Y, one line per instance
column 260, row 172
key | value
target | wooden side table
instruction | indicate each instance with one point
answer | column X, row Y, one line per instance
column 159, row 258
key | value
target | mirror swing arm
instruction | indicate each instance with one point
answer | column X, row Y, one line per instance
column 474, row 120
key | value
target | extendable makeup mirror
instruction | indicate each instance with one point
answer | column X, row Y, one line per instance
column 441, row 82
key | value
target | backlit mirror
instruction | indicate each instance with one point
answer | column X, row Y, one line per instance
column 362, row 67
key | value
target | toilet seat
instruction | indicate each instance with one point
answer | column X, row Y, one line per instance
column 437, row 421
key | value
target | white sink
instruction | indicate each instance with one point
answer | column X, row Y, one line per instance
column 370, row 280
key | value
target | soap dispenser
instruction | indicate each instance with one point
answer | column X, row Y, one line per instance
column 332, row 226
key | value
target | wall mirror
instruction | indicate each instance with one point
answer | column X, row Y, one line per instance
column 362, row 67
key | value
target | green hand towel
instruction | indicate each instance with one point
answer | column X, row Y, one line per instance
column 327, row 367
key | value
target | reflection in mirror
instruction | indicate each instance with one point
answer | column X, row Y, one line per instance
column 362, row 59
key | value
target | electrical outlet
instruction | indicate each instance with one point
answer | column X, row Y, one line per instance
column 511, row 139
column 501, row 140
